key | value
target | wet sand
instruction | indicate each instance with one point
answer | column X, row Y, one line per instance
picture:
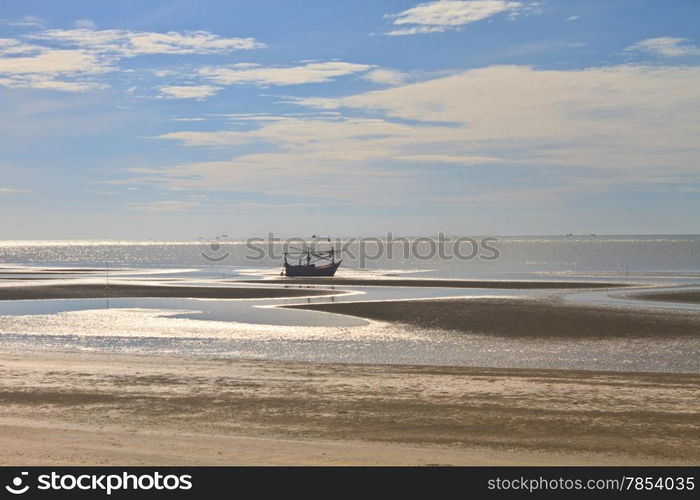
column 99, row 291
column 519, row 317
column 687, row 297
column 439, row 283
column 24, row 270
column 89, row 408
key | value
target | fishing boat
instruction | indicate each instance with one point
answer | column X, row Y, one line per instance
column 311, row 263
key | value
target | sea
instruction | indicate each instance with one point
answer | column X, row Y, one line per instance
column 523, row 256
column 259, row 329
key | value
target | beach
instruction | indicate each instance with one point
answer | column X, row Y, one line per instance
column 426, row 232
column 93, row 393
column 98, row 409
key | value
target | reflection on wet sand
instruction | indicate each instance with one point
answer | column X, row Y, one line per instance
column 534, row 326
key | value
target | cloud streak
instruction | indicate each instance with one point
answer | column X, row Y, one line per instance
column 35, row 66
column 445, row 15
column 386, row 76
column 127, row 43
column 666, row 47
column 655, row 106
column 9, row 190
column 315, row 72
column 68, row 60
column 188, row 91
column 163, row 206
column 616, row 125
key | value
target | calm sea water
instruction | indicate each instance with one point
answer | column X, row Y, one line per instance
column 604, row 255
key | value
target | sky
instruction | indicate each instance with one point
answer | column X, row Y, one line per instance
column 185, row 119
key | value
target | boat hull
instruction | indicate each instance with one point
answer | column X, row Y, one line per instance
column 311, row 270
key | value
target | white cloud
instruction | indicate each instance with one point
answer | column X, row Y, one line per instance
column 33, row 66
column 127, row 43
column 610, row 118
column 164, row 206
column 543, row 104
column 248, row 65
column 418, row 30
column 665, row 46
column 252, row 117
column 444, row 15
column 76, row 55
column 572, row 18
column 12, row 47
column 84, row 24
column 197, row 119
column 9, row 190
column 294, row 75
column 188, row 92
column 455, row 159
column 312, row 156
column 307, row 134
column 279, row 173
column 386, row 76
column 50, row 61
column 612, row 121
column 26, row 21
column 50, row 83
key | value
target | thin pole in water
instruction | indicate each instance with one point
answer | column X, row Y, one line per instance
column 107, row 274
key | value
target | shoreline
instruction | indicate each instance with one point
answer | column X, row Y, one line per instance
column 521, row 317
column 442, row 283
column 101, row 291
column 149, row 410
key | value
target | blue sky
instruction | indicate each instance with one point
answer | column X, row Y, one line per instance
column 179, row 119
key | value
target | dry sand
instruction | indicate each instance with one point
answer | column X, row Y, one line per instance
column 114, row 290
column 519, row 317
column 441, row 283
column 87, row 408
